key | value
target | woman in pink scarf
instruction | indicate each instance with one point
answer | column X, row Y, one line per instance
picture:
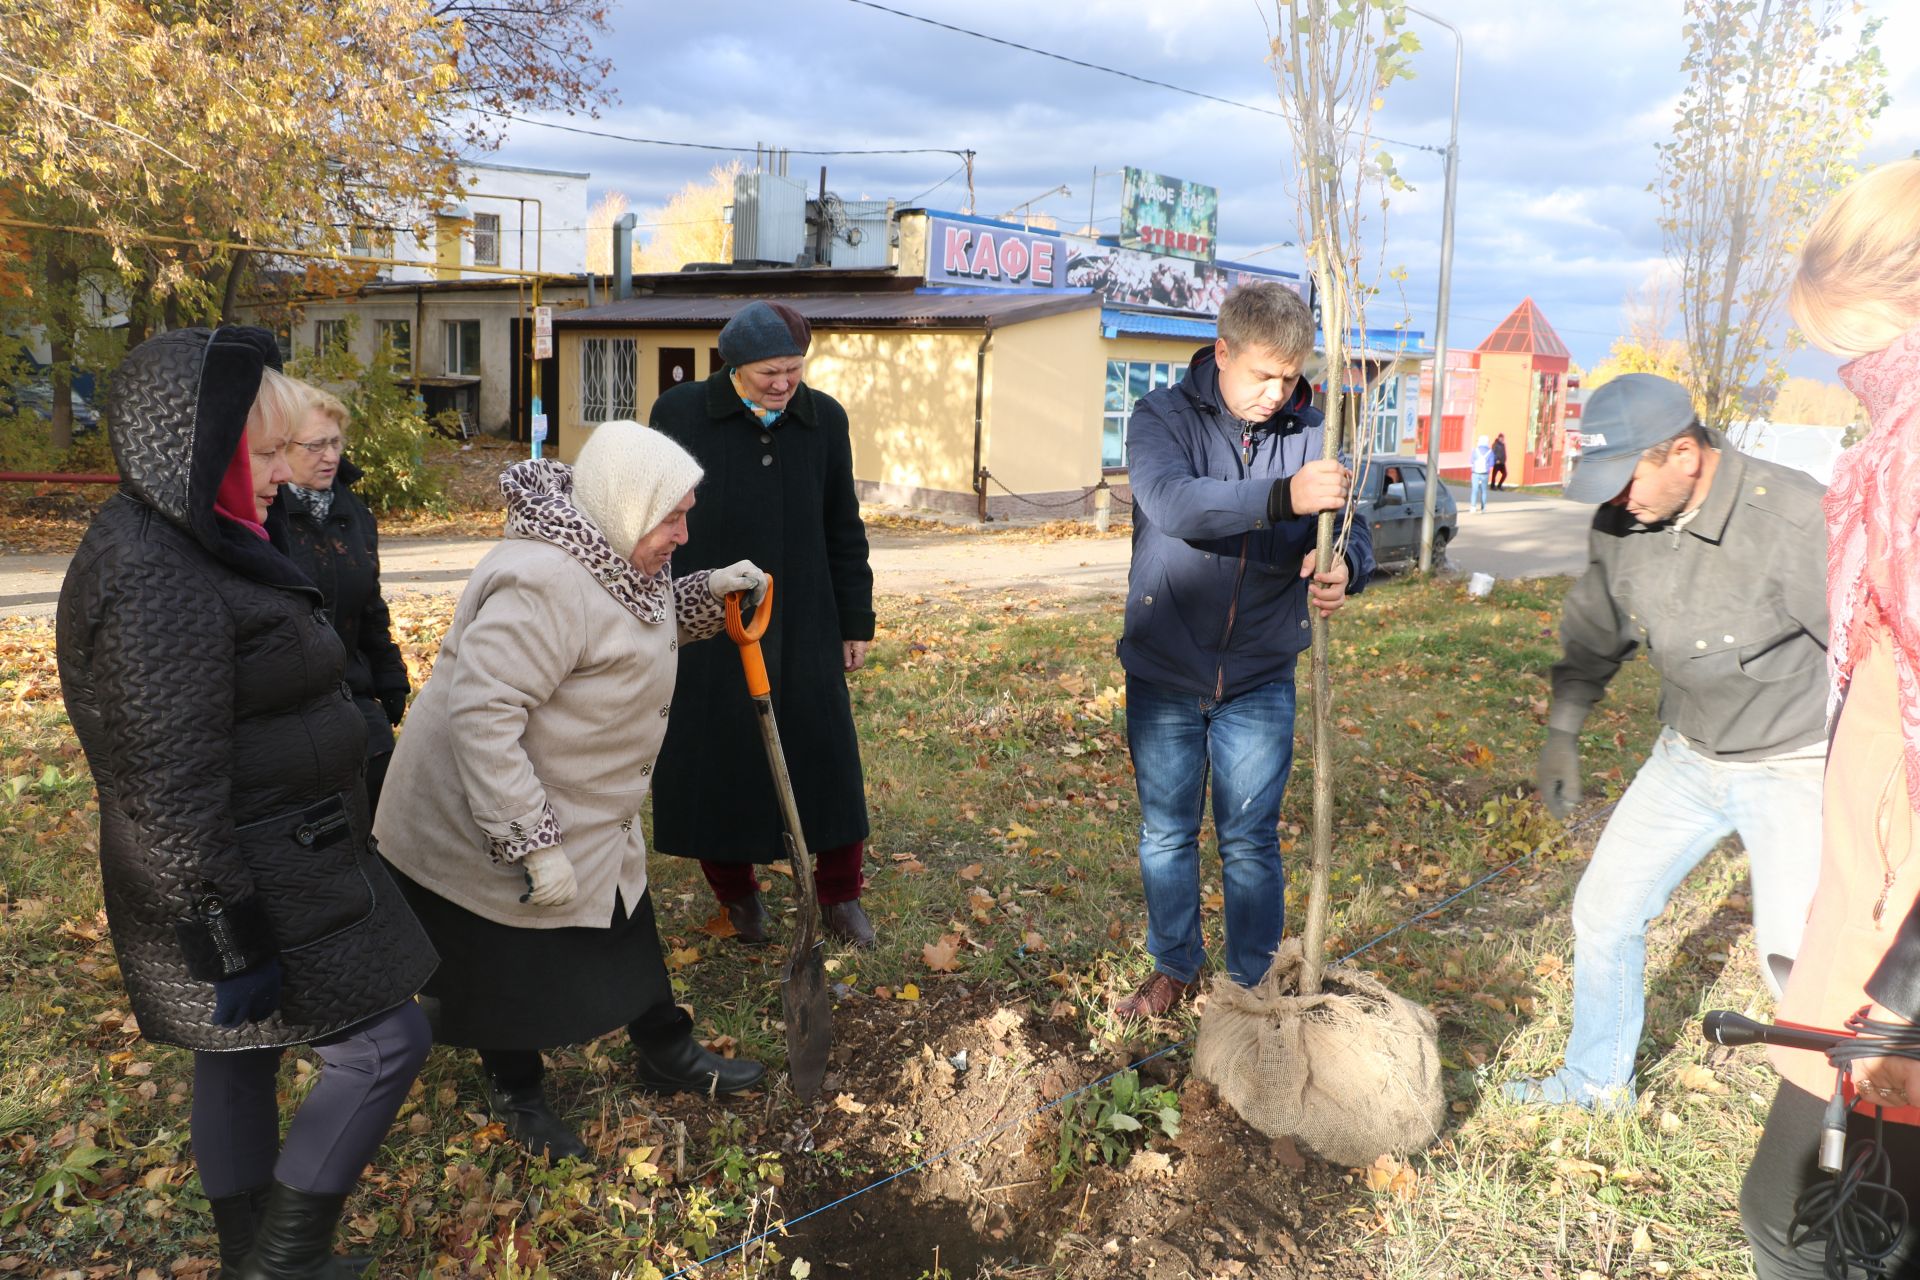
column 1857, row 295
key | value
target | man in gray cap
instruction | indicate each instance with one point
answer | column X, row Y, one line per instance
column 1714, row 563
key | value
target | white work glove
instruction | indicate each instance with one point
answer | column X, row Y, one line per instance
column 550, row 881
column 741, row 575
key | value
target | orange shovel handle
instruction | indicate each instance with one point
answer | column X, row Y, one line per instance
column 748, row 638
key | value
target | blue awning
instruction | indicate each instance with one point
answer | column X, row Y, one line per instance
column 1114, row 322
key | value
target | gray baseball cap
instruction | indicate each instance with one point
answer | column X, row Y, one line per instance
column 1622, row 420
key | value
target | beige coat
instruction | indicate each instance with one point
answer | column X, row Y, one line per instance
column 548, row 695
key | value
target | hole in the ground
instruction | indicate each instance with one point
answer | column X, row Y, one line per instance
column 887, row 1235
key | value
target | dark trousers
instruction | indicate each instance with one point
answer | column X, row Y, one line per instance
column 376, row 779
column 1787, row 1162
column 836, row 875
column 517, row 1068
column 365, row 1073
column 1499, row 475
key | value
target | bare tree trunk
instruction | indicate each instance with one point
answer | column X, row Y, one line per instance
column 61, row 276
column 231, row 296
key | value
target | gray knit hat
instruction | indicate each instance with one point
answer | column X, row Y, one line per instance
column 764, row 331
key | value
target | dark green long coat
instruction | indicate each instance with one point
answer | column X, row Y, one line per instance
column 783, row 498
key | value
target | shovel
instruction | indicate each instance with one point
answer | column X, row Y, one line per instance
column 803, row 978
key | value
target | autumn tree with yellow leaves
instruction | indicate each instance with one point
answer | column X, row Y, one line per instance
column 146, row 140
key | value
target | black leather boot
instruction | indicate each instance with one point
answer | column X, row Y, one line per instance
column 749, row 916
column 531, row 1122
column 294, row 1240
column 682, row 1065
column 236, row 1219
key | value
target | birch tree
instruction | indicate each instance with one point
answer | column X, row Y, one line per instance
column 1780, row 96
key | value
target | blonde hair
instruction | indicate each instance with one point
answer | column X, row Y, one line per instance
column 314, row 400
column 278, row 408
column 1858, row 287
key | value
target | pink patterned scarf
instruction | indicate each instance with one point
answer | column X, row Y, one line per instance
column 1873, row 513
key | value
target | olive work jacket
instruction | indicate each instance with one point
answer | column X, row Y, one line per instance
column 1731, row 609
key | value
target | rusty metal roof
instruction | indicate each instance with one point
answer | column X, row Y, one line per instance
column 836, row 310
column 1526, row 332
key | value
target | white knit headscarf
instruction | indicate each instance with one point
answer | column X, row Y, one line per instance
column 627, row 478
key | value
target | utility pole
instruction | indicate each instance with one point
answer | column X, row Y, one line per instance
column 1437, row 405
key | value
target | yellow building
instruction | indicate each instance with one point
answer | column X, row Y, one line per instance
column 989, row 403
column 991, row 370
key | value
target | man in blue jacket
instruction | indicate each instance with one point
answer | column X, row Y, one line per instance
column 1227, row 476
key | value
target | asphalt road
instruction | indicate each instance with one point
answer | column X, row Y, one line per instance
column 1520, row 535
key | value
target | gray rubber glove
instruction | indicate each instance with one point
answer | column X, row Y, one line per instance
column 1560, row 772
column 741, row 575
column 550, row 880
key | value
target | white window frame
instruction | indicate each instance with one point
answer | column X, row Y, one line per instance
column 392, row 331
column 1383, row 415
column 330, row 335
column 1160, row 374
column 609, row 379
column 486, row 239
column 459, row 361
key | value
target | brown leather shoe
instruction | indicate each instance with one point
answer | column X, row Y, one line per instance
column 848, row 922
column 1155, row 997
column 749, row 916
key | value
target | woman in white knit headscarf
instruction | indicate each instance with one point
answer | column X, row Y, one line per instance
column 512, row 807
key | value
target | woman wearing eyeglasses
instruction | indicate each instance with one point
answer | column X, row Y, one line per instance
column 331, row 536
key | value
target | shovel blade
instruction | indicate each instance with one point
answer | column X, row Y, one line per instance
column 809, row 1015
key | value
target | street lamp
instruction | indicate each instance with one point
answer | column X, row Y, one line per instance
column 1025, row 207
column 1438, row 403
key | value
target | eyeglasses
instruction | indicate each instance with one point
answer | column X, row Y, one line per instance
column 333, row 444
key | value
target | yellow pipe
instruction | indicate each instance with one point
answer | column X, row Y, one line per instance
column 270, row 250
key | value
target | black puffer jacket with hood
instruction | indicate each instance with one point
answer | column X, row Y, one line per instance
column 205, row 685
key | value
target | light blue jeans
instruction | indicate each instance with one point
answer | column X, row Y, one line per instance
column 1478, row 498
column 1246, row 743
column 1681, row 805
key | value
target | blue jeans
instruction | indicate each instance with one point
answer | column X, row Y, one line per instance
column 1478, row 499
column 1681, row 805
column 1246, row 743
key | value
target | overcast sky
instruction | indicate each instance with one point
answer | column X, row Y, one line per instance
column 1562, row 103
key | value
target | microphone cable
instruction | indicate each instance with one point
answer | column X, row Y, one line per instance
column 1857, row 1216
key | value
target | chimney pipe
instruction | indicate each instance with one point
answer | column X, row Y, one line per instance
column 623, row 256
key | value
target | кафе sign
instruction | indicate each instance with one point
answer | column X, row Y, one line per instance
column 1168, row 215
column 969, row 252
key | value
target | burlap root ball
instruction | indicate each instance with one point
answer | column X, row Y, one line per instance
column 1353, row 1073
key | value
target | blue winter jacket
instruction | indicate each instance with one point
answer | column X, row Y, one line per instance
column 1215, row 601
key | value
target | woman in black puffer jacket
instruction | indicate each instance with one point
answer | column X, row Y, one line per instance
column 246, row 909
column 331, row 536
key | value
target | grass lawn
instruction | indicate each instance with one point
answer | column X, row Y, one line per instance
column 1003, row 884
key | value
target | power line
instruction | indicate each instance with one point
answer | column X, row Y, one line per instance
column 1115, row 71
column 714, row 146
column 912, row 200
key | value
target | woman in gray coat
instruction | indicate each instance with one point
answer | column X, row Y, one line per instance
column 512, row 808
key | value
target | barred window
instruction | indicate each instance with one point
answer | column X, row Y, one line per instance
column 486, row 239
column 608, row 369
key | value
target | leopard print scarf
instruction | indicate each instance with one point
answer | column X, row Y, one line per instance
column 539, row 495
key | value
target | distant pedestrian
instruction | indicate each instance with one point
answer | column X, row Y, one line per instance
column 1499, row 473
column 1482, row 465
column 1714, row 563
column 248, row 913
column 332, row 537
column 1227, row 481
column 779, row 491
